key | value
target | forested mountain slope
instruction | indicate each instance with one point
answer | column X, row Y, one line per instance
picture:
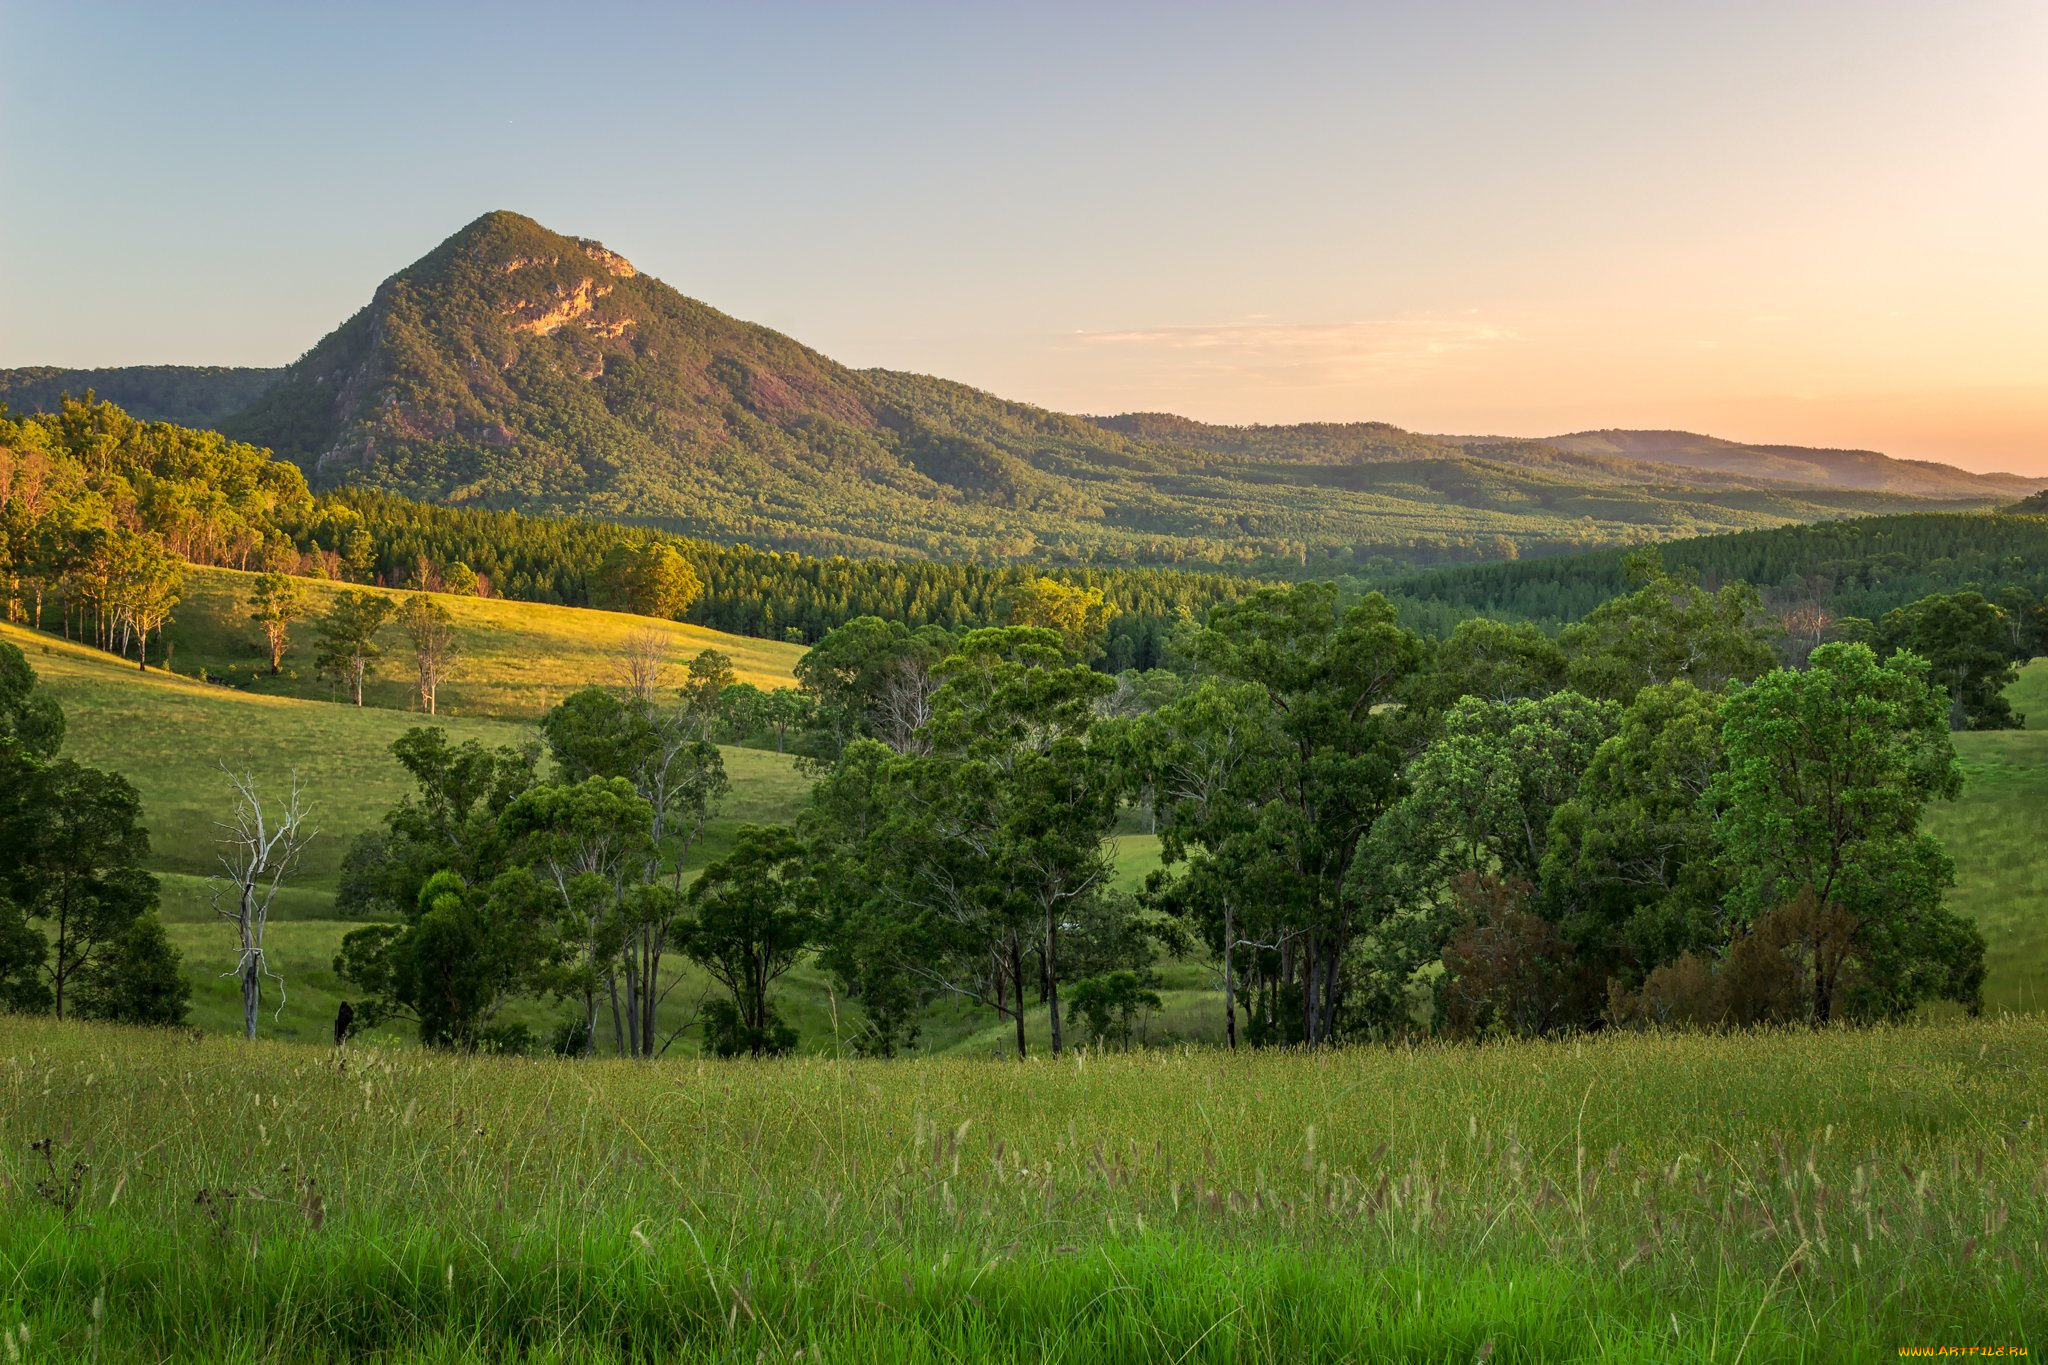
column 1859, row 567
column 190, row 395
column 513, row 367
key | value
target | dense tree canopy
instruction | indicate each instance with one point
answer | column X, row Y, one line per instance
column 78, row 929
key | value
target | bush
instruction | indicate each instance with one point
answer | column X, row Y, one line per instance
column 1794, row 965
column 506, row 1040
column 1112, row 1004
column 138, row 980
column 571, row 1037
column 727, row 1034
column 1508, row 970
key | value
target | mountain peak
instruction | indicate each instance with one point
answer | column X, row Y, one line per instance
column 510, row 242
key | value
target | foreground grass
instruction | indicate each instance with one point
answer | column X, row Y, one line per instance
column 1773, row 1197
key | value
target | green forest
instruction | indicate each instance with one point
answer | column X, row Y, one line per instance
column 98, row 510
column 1863, row 567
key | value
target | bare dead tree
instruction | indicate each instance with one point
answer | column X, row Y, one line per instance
column 259, row 850
column 643, row 663
column 904, row 705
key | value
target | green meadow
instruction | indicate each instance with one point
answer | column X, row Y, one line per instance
column 1794, row 1196
column 1997, row 831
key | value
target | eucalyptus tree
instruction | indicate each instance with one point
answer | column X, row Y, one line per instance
column 1479, row 803
column 1211, row 758
column 874, row 678
column 977, row 850
column 430, row 629
column 276, row 602
column 587, row 842
column 1829, row 773
column 1667, row 629
column 1319, row 678
column 78, row 929
column 1009, row 731
column 1493, row 660
column 261, row 843
column 1632, row 868
column 458, row 918
column 751, row 920
column 348, row 638
column 665, row 757
column 1970, row 650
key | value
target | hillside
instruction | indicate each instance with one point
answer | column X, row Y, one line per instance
column 1858, row 567
column 190, row 395
column 514, row 659
column 1622, row 458
column 515, row 367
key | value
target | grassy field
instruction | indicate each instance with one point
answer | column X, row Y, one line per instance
column 169, row 735
column 1997, row 831
column 516, row 658
column 1791, row 1197
column 1797, row 1197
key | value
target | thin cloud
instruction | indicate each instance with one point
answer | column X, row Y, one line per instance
column 1304, row 352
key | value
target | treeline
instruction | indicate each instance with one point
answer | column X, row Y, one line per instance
column 79, row 933
column 768, row 594
column 1863, row 567
column 1646, row 819
column 98, row 512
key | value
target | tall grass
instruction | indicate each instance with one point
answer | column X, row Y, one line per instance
column 1770, row 1197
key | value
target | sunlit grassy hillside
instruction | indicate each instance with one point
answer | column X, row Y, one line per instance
column 171, row 736
column 516, row 658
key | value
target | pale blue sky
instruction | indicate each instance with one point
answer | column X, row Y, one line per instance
column 1805, row 222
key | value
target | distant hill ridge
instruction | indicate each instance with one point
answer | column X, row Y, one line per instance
column 1795, row 464
column 513, row 366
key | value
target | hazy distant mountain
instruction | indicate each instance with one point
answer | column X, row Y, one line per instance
column 190, row 395
column 1866, row 469
column 513, row 366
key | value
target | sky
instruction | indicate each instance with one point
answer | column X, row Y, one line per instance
column 1816, row 223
